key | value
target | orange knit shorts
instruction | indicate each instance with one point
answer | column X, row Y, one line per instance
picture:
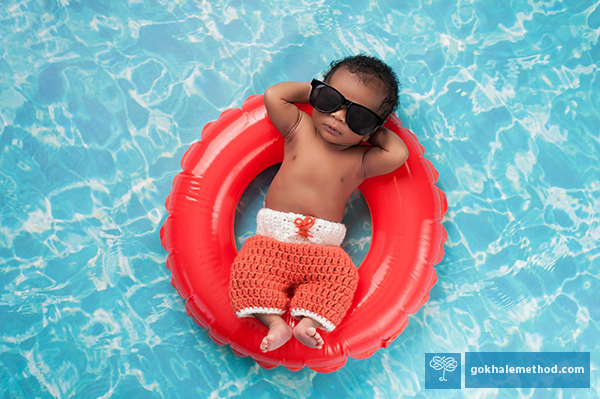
column 271, row 275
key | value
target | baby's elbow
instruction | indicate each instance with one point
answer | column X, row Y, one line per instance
column 271, row 99
column 402, row 157
column 397, row 161
column 269, row 94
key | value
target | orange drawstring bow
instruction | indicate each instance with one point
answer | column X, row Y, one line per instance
column 304, row 225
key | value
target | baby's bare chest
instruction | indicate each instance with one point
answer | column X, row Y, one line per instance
column 315, row 181
column 321, row 168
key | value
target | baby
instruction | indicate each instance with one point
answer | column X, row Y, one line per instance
column 296, row 249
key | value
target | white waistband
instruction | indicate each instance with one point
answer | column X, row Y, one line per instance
column 298, row 228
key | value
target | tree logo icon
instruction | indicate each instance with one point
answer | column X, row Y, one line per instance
column 443, row 363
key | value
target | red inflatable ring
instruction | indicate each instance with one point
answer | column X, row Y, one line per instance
column 395, row 276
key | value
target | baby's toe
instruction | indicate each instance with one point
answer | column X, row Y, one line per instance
column 264, row 345
column 315, row 335
column 319, row 338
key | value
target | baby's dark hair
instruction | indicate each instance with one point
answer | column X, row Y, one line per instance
column 366, row 68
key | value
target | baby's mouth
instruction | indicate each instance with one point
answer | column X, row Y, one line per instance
column 331, row 130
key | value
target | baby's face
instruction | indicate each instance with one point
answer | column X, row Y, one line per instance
column 333, row 127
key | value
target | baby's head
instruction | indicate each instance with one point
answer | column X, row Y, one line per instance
column 363, row 80
column 374, row 73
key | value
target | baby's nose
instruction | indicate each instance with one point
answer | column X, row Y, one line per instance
column 340, row 114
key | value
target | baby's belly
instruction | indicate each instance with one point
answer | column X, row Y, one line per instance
column 313, row 201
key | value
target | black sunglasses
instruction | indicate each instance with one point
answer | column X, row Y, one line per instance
column 361, row 120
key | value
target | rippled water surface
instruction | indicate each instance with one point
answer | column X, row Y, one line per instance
column 100, row 99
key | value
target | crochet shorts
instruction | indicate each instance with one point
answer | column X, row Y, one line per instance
column 294, row 262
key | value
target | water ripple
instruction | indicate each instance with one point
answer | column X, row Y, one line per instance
column 99, row 101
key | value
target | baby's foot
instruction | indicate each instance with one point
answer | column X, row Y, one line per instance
column 279, row 333
column 306, row 332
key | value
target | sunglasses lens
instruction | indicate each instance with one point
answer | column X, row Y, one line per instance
column 360, row 120
column 325, row 99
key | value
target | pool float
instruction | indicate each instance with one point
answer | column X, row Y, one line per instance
column 394, row 278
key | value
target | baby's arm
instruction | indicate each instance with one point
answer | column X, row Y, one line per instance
column 387, row 154
column 279, row 101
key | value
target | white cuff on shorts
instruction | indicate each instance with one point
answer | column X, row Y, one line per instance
column 247, row 312
column 327, row 325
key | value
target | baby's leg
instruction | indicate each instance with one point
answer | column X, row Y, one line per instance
column 279, row 331
column 324, row 299
column 306, row 332
column 258, row 287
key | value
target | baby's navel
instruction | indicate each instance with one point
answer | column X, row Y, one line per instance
column 342, row 179
column 294, row 158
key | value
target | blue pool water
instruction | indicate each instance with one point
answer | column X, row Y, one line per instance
column 100, row 99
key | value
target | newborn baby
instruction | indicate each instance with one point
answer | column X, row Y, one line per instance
column 296, row 248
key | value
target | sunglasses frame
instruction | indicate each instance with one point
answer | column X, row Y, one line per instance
column 316, row 83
